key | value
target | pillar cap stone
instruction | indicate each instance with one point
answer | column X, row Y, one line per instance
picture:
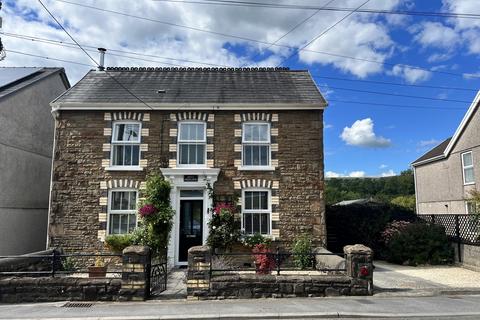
column 199, row 249
column 357, row 249
column 139, row 250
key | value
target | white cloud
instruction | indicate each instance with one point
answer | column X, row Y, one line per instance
column 361, row 35
column 436, row 34
column 361, row 134
column 426, row 143
column 383, row 166
column 389, row 173
column 353, row 174
column 327, row 125
column 411, row 75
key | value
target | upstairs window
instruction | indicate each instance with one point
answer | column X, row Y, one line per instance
column 467, row 164
column 256, row 212
column 122, row 213
column 192, row 143
column 256, row 144
column 126, row 144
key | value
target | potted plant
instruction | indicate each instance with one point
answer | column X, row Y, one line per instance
column 99, row 269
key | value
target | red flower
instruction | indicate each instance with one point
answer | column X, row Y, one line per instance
column 147, row 210
column 223, row 206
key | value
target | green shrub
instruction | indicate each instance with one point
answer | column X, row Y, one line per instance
column 302, row 252
column 252, row 240
column 224, row 229
column 118, row 242
column 362, row 223
column 420, row 243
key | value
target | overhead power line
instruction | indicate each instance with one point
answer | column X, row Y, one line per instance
column 48, row 58
column 324, row 32
column 400, row 106
column 70, row 45
column 91, row 58
column 258, row 41
column 309, row 7
column 395, row 94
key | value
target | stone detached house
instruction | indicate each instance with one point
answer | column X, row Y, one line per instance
column 254, row 135
column 445, row 175
column 26, row 141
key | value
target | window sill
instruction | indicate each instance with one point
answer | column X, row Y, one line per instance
column 259, row 168
column 125, row 168
column 468, row 183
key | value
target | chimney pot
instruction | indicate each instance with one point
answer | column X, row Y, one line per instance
column 101, row 66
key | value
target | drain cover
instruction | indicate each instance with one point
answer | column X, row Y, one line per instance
column 77, row 305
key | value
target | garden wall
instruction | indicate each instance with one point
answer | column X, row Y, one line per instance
column 469, row 255
column 201, row 285
column 133, row 285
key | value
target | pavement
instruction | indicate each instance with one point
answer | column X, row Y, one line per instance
column 438, row 307
column 390, row 279
column 176, row 285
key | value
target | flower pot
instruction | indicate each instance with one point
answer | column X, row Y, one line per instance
column 97, row 272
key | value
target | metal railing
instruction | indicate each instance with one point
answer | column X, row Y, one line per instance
column 62, row 265
column 273, row 261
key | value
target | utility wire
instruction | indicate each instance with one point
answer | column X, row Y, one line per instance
column 316, row 76
column 290, row 31
column 329, row 100
column 395, row 94
column 48, row 58
column 73, row 39
column 394, row 83
column 321, row 34
column 394, row 105
column 260, row 41
column 308, row 7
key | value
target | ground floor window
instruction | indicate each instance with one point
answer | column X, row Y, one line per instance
column 256, row 211
column 122, row 212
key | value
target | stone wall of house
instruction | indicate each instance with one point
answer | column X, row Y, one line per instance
column 81, row 181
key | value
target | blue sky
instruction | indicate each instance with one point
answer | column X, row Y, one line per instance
column 360, row 139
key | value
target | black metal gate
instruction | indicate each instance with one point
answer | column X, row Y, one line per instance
column 157, row 274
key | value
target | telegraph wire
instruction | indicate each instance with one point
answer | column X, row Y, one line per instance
column 48, row 58
column 259, row 41
column 321, row 34
column 307, row 7
column 314, row 75
column 91, row 58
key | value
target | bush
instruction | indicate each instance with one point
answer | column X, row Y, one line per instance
column 224, row 228
column 393, row 228
column 363, row 224
column 420, row 243
column 118, row 242
column 302, row 252
column 264, row 261
column 252, row 240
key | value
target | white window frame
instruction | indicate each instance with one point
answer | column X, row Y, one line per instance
column 115, row 143
column 268, row 210
column 467, row 167
column 267, row 167
column 180, row 142
column 467, row 203
column 109, row 207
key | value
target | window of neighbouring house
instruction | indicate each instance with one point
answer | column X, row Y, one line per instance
column 471, row 207
column 256, row 212
column 192, row 143
column 256, row 144
column 122, row 211
column 467, row 164
column 126, row 144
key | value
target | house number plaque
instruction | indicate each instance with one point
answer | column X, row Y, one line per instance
column 190, row 178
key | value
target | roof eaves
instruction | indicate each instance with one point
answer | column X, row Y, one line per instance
column 463, row 124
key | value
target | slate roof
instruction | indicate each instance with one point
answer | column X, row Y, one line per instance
column 194, row 85
column 13, row 79
column 435, row 152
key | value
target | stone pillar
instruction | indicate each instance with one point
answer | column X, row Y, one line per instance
column 359, row 263
column 135, row 273
column 198, row 276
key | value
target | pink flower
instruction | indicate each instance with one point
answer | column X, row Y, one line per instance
column 223, row 206
column 147, row 210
